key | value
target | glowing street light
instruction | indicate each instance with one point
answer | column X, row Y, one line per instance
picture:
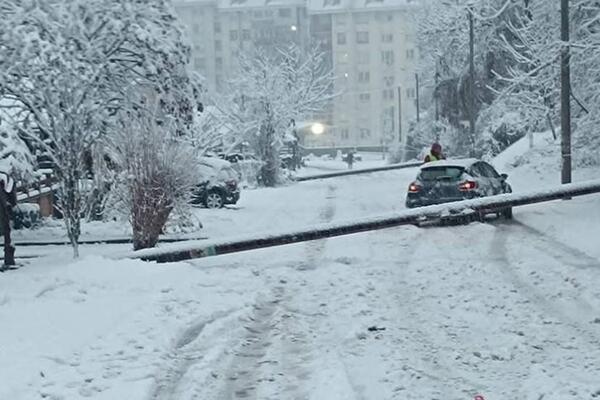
column 293, row 28
column 317, row 128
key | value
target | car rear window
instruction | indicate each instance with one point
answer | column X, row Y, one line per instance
column 432, row 174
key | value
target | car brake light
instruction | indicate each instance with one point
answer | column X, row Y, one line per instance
column 414, row 188
column 468, row 185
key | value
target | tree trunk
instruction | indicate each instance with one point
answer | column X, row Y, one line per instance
column 9, row 250
column 151, row 210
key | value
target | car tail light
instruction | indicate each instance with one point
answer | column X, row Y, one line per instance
column 467, row 185
column 414, row 188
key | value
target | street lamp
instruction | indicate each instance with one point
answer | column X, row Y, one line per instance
column 317, row 128
column 293, row 28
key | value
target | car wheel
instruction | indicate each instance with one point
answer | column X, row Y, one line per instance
column 507, row 213
column 214, row 199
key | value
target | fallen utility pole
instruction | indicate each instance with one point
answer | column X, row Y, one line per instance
column 359, row 171
column 187, row 251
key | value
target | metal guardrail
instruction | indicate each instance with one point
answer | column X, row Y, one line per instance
column 359, row 171
column 186, row 251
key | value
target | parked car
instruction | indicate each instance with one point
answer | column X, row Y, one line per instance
column 454, row 180
column 219, row 186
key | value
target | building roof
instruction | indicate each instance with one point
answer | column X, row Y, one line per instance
column 332, row 6
column 313, row 6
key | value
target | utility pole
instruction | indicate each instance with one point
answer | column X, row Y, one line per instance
column 417, row 93
column 471, row 76
column 435, row 91
column 565, row 93
column 399, row 114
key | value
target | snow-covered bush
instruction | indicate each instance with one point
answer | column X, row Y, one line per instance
column 26, row 216
column 157, row 174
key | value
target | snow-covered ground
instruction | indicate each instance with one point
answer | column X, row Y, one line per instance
column 318, row 165
column 508, row 310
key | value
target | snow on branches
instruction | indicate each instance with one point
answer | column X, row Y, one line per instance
column 71, row 67
column 273, row 89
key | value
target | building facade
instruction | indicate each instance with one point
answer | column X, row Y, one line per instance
column 371, row 46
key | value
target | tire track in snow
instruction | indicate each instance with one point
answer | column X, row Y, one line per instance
column 187, row 351
column 273, row 322
column 534, row 291
column 564, row 337
column 431, row 364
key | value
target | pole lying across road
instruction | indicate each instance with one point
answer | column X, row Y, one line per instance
column 359, row 171
column 198, row 249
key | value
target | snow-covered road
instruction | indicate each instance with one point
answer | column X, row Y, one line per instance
column 506, row 310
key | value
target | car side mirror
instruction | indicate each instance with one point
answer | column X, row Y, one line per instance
column 504, row 176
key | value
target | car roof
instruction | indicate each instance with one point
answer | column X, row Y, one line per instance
column 214, row 162
column 460, row 163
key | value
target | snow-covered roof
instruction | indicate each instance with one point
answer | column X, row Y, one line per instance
column 313, row 6
column 328, row 6
column 243, row 4
column 461, row 163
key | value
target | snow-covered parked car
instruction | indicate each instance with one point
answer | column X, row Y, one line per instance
column 454, row 180
column 219, row 184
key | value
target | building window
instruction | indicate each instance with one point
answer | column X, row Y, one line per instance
column 410, row 54
column 364, row 97
column 233, row 35
column 246, row 34
column 217, row 27
column 341, row 38
column 344, row 133
column 362, row 37
column 219, row 62
column 364, row 76
column 218, row 45
column 362, row 57
column 285, row 12
column 411, row 93
column 387, row 37
column 329, row 3
column 361, row 18
column 199, row 63
column 365, row 133
column 268, row 13
column 387, row 57
column 388, row 94
column 388, row 81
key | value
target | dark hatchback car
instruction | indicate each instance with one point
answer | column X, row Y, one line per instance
column 219, row 186
column 454, row 180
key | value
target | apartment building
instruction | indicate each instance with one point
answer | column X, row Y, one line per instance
column 371, row 45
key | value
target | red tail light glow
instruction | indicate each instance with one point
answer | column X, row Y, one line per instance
column 467, row 185
column 414, row 188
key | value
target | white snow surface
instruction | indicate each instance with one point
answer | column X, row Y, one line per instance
column 506, row 310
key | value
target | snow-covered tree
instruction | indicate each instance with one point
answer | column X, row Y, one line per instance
column 272, row 90
column 444, row 42
column 16, row 158
column 71, row 65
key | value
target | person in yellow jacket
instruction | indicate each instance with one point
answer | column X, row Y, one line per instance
column 435, row 154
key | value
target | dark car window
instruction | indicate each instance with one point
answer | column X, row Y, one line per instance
column 489, row 171
column 432, row 174
column 474, row 171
